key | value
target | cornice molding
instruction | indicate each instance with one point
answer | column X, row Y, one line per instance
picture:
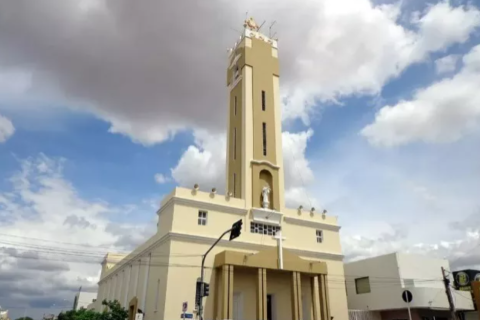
column 268, row 163
column 309, row 223
column 203, row 205
column 253, row 246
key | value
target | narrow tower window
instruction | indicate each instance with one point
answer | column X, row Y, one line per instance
column 235, row 106
column 234, row 184
column 263, row 100
column 264, row 139
column 234, row 143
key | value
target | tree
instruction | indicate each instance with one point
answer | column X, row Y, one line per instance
column 113, row 311
column 24, row 318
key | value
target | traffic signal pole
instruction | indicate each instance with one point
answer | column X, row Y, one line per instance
column 200, row 306
column 235, row 231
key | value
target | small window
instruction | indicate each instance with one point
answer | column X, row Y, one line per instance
column 202, row 218
column 362, row 285
column 264, row 128
column 263, row 101
column 235, row 106
column 319, row 236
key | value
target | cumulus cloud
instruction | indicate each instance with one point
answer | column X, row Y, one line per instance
column 446, row 64
column 149, row 74
column 67, row 236
column 6, row 129
column 461, row 253
column 204, row 163
column 161, row 179
column 443, row 112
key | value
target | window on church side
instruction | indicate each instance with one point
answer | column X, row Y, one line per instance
column 265, row 229
column 235, row 106
column 319, row 236
column 202, row 218
column 263, row 101
column 264, row 127
column 157, row 296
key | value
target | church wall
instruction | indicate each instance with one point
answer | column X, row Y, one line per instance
column 305, row 238
column 186, row 221
column 337, row 294
column 183, row 275
column 245, row 283
column 165, row 219
column 141, row 280
column 307, row 305
column 279, row 285
column 157, row 290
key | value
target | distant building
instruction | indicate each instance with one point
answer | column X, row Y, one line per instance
column 468, row 280
column 83, row 299
column 49, row 317
column 464, row 280
column 376, row 284
column 3, row 314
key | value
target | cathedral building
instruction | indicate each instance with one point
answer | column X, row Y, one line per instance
column 287, row 264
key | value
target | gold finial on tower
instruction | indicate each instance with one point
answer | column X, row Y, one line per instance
column 251, row 24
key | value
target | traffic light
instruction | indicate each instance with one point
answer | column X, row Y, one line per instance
column 206, row 289
column 236, row 229
column 198, row 294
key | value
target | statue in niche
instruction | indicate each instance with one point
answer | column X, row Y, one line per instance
column 265, row 197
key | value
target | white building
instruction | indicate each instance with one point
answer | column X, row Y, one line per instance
column 83, row 300
column 376, row 284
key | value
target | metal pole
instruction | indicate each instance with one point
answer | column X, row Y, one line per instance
column 446, row 281
column 200, row 306
column 409, row 313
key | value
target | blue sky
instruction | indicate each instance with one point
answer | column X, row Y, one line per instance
column 378, row 133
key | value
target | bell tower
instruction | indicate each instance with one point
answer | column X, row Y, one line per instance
column 254, row 145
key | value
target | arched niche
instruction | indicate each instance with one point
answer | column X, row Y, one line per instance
column 266, row 179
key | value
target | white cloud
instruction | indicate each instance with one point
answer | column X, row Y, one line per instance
column 204, row 163
column 443, row 112
column 6, row 129
column 161, row 179
column 462, row 253
column 147, row 83
column 419, row 200
column 446, row 64
column 66, row 239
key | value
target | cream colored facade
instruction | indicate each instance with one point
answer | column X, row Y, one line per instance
column 287, row 263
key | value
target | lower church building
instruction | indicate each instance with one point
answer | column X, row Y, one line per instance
column 287, row 264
